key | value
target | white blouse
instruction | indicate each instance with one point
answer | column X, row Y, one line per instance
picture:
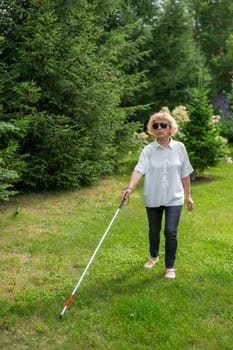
column 163, row 169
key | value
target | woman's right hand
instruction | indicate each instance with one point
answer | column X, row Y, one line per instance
column 126, row 193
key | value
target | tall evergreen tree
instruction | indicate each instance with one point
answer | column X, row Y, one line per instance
column 175, row 59
column 213, row 30
column 64, row 78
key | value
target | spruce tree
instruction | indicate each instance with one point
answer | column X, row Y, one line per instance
column 65, row 74
column 175, row 59
column 213, row 31
column 201, row 134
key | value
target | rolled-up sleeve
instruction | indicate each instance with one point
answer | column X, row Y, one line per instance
column 141, row 165
column 187, row 168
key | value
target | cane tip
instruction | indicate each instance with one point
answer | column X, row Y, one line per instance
column 60, row 316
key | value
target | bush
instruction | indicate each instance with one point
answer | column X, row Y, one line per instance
column 201, row 134
column 8, row 161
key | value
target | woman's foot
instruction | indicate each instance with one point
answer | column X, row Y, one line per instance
column 170, row 273
column 151, row 262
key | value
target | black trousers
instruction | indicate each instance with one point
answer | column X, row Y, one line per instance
column 172, row 218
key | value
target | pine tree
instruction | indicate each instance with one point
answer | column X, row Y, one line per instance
column 65, row 74
column 213, row 30
column 175, row 60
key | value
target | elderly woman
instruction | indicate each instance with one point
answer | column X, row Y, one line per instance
column 166, row 168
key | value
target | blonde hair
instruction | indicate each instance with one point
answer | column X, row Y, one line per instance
column 162, row 116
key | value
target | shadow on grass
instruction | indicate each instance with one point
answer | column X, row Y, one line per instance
column 132, row 280
column 205, row 179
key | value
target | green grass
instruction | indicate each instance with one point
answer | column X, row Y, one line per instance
column 48, row 239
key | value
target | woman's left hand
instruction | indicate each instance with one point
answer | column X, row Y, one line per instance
column 190, row 203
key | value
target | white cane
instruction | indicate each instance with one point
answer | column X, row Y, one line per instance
column 90, row 261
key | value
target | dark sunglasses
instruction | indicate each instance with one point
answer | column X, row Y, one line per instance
column 162, row 125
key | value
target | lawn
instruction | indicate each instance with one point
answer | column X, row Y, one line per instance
column 47, row 240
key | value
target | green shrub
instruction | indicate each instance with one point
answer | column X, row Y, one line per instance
column 201, row 134
column 10, row 163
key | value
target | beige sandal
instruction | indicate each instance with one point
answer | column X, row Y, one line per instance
column 170, row 273
column 151, row 262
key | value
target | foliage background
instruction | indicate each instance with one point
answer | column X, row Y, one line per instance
column 77, row 78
